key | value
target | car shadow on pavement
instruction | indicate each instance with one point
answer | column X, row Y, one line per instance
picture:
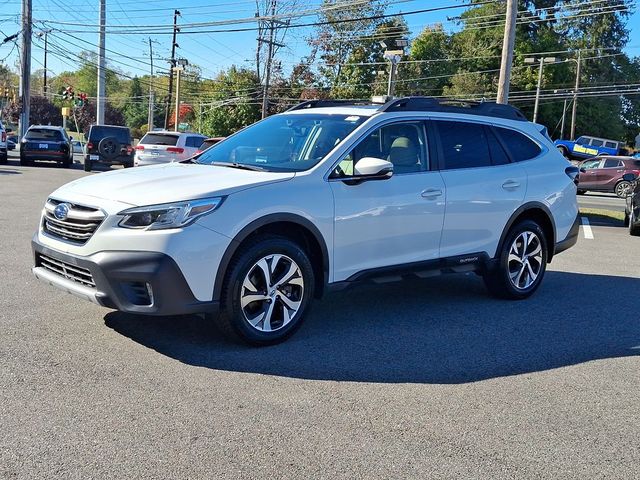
column 443, row 330
column 9, row 172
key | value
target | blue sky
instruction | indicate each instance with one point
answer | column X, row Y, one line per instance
column 211, row 51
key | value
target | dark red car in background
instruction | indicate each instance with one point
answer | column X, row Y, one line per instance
column 604, row 174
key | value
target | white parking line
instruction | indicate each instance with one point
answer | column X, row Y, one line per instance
column 586, row 228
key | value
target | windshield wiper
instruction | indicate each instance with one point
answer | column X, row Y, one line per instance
column 241, row 166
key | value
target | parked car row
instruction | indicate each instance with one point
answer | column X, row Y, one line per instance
column 606, row 174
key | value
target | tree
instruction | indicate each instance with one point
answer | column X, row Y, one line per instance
column 136, row 108
column 86, row 116
column 235, row 94
column 42, row 112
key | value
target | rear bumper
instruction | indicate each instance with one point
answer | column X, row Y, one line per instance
column 130, row 281
column 44, row 155
column 571, row 239
column 119, row 160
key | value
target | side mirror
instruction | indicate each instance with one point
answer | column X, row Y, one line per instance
column 630, row 177
column 583, row 170
column 70, row 138
column 370, row 168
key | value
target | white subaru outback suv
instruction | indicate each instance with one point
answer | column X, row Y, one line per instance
column 322, row 196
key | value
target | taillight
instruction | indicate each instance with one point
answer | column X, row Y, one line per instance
column 89, row 145
column 175, row 149
column 139, row 147
column 129, row 149
column 198, row 152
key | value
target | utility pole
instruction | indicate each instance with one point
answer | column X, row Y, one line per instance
column 267, row 73
column 507, row 51
column 181, row 64
column 25, row 77
column 564, row 112
column 176, row 13
column 150, row 119
column 100, row 101
column 575, row 97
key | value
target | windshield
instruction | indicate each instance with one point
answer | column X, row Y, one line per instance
column 98, row 132
column 283, row 142
column 43, row 134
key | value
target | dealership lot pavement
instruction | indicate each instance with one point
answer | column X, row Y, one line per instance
column 430, row 379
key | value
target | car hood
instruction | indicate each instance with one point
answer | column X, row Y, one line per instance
column 167, row 183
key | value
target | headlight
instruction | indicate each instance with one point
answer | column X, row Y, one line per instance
column 168, row 215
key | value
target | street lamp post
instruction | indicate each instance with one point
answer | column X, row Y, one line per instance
column 394, row 50
column 542, row 60
column 182, row 62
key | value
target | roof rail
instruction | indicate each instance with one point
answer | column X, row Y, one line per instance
column 431, row 104
column 327, row 103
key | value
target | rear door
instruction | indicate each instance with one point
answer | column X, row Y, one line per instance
column 609, row 173
column 484, row 187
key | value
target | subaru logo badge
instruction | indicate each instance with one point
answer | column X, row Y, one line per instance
column 61, row 211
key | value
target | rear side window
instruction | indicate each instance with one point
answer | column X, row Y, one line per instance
column 498, row 155
column 597, row 143
column 519, row 146
column 612, row 163
column 159, row 139
column 610, row 145
column 98, row 132
column 44, row 134
column 194, row 142
column 464, row 145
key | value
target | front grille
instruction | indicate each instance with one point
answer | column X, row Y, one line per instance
column 70, row 272
column 77, row 227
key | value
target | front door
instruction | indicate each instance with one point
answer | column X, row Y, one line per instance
column 396, row 221
column 588, row 177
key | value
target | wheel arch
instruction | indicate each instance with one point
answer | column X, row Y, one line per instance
column 539, row 213
column 289, row 225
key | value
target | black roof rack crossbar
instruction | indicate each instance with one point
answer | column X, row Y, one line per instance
column 431, row 104
column 327, row 103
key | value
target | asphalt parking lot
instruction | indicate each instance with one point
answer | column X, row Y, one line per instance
column 429, row 379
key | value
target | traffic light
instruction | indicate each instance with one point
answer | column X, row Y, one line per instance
column 81, row 100
column 67, row 93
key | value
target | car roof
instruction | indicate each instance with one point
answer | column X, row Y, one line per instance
column 600, row 138
column 359, row 110
column 46, row 127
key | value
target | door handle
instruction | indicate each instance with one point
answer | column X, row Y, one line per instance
column 510, row 184
column 431, row 193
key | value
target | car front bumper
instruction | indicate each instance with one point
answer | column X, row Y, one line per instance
column 140, row 282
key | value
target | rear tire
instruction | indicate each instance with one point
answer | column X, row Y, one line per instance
column 3, row 158
column 522, row 263
column 581, row 192
column 267, row 291
column 87, row 165
column 622, row 189
column 24, row 162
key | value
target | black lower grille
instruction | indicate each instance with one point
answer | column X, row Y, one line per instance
column 70, row 272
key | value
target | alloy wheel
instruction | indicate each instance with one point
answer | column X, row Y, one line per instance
column 272, row 293
column 525, row 260
column 623, row 189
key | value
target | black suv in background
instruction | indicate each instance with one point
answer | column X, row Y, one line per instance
column 46, row 142
column 109, row 144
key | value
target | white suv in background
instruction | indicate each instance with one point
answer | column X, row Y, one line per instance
column 322, row 196
column 165, row 147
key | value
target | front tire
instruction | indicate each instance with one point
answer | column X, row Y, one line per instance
column 267, row 291
column 522, row 263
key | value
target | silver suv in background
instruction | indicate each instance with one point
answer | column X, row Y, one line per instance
column 166, row 147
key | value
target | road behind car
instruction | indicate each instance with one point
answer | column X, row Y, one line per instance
column 428, row 379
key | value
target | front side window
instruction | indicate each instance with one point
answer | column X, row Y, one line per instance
column 582, row 141
column 464, row 145
column 589, row 164
column 520, row 147
column 292, row 143
column 194, row 141
column 403, row 144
